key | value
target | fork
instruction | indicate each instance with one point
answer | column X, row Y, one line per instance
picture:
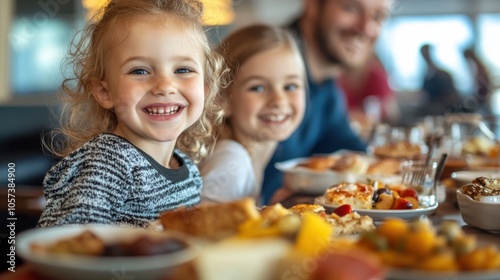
column 419, row 177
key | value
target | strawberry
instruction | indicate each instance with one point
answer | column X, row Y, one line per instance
column 409, row 193
column 343, row 210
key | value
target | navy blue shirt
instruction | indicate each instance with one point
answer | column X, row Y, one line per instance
column 324, row 129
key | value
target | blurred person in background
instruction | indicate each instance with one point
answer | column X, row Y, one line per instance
column 332, row 34
column 482, row 82
column 369, row 97
column 441, row 95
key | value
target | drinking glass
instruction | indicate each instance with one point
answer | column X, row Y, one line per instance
column 419, row 176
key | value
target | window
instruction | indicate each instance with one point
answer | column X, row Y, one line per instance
column 489, row 43
column 40, row 35
column 400, row 42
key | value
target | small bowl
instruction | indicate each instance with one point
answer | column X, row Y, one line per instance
column 479, row 214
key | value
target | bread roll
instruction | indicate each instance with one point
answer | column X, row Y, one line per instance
column 319, row 163
column 212, row 221
column 385, row 167
column 352, row 163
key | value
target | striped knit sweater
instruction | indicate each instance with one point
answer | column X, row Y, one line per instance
column 110, row 181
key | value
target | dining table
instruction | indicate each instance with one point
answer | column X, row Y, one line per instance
column 446, row 210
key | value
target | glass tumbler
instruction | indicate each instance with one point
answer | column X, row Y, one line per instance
column 416, row 175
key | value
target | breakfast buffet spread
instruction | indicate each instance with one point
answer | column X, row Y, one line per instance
column 235, row 233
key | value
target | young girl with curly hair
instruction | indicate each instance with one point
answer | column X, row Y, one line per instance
column 140, row 112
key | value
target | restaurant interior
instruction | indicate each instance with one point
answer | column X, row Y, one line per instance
column 36, row 34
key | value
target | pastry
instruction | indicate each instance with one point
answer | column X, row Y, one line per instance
column 358, row 195
column 319, row 163
column 351, row 163
column 385, row 167
column 401, row 150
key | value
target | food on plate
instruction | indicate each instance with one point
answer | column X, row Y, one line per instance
column 418, row 245
column 303, row 208
column 314, row 233
column 374, row 195
column 480, row 145
column 352, row 223
column 89, row 244
column 319, row 163
column 480, row 187
column 276, row 220
column 387, row 166
column 399, row 150
column 86, row 243
column 358, row 195
column 343, row 210
column 211, row 220
column 352, row 163
column 348, row 162
column 383, row 199
column 397, row 197
column 345, row 221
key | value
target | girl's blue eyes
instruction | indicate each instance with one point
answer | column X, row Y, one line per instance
column 183, row 71
column 145, row 72
column 290, row 87
column 257, row 88
column 139, row 72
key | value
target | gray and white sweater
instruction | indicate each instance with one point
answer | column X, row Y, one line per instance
column 110, row 181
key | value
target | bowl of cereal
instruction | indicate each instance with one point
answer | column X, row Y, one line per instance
column 479, row 203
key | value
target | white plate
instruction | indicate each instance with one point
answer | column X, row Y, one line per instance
column 57, row 266
column 309, row 181
column 380, row 215
column 402, row 274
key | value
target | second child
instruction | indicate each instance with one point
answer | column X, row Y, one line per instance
column 263, row 105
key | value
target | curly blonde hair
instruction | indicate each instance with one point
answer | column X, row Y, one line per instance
column 82, row 118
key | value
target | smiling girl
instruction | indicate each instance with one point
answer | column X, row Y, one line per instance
column 139, row 114
column 263, row 105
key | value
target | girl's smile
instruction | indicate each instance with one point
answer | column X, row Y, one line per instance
column 163, row 111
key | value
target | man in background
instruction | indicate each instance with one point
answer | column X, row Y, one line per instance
column 438, row 86
column 333, row 34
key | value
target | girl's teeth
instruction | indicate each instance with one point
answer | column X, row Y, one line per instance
column 162, row 111
column 276, row 118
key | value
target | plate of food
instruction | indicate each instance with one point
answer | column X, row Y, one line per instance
column 104, row 251
column 419, row 249
column 380, row 215
column 377, row 202
column 313, row 175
